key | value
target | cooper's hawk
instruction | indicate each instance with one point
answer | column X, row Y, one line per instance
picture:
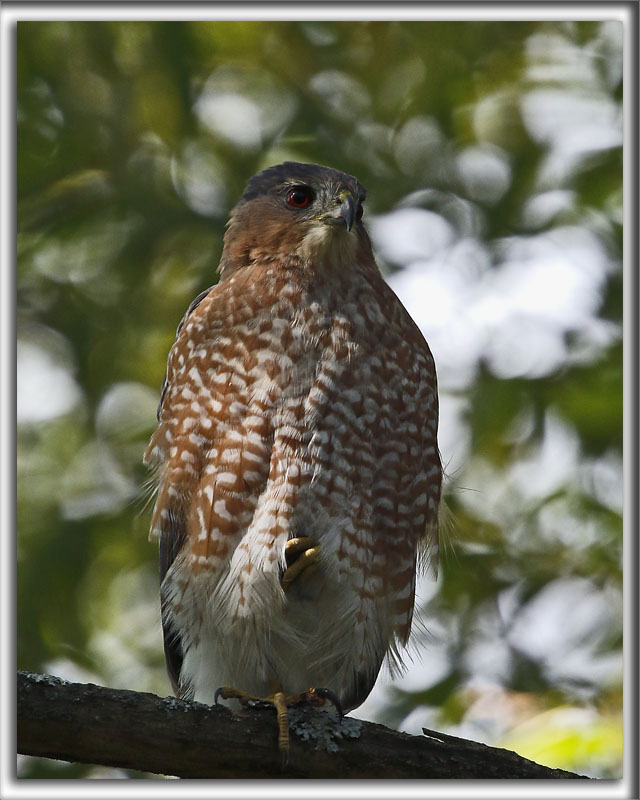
column 297, row 463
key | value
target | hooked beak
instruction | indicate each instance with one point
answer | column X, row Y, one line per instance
column 346, row 211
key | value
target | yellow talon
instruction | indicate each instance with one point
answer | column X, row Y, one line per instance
column 280, row 702
column 297, row 545
column 303, row 553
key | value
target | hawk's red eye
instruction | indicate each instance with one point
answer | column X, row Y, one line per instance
column 299, row 196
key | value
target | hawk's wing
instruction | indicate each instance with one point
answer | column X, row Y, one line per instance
column 172, row 534
column 165, row 381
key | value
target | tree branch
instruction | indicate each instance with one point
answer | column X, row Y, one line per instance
column 134, row 730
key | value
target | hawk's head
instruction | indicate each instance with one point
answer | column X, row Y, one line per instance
column 296, row 211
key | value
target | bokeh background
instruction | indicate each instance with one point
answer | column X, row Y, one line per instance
column 492, row 152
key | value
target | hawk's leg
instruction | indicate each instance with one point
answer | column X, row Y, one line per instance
column 301, row 555
column 280, row 701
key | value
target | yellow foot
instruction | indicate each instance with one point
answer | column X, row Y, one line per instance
column 280, row 701
column 301, row 555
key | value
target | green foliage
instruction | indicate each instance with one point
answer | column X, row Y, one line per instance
column 135, row 139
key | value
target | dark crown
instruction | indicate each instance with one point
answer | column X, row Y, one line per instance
column 292, row 172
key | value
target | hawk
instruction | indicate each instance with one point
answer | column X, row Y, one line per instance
column 296, row 459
